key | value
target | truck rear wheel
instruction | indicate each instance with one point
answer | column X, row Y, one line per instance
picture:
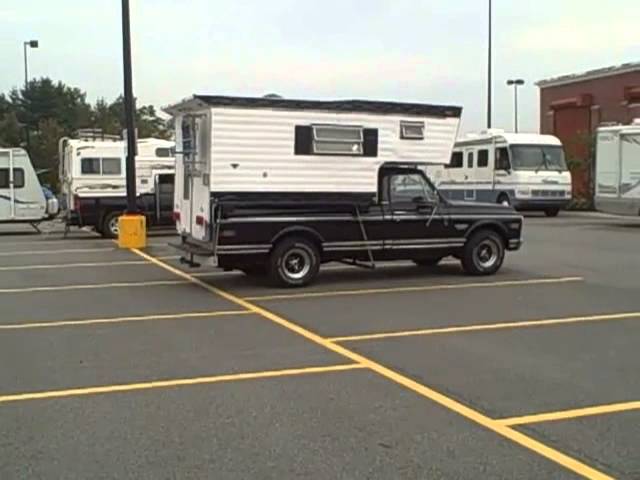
column 110, row 225
column 483, row 253
column 294, row 262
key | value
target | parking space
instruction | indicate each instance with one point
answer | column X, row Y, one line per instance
column 133, row 363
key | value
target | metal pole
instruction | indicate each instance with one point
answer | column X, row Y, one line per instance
column 26, row 68
column 490, row 66
column 27, row 134
column 515, row 90
column 129, row 110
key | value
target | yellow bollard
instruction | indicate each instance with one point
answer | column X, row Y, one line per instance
column 132, row 231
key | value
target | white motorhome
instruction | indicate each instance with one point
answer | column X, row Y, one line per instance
column 617, row 179
column 93, row 181
column 527, row 171
column 22, row 199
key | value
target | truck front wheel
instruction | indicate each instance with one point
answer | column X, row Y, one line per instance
column 294, row 262
column 483, row 254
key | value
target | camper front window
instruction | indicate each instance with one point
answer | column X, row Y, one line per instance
column 337, row 140
column 111, row 166
column 90, row 166
column 537, row 157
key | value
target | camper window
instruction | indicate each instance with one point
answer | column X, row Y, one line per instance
column 90, row 166
column 4, row 178
column 164, row 152
column 111, row 166
column 483, row 158
column 502, row 159
column 412, row 130
column 456, row 160
column 337, row 140
column 18, row 178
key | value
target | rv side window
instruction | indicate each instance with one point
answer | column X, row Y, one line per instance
column 456, row 160
column 111, row 166
column 4, row 178
column 18, row 178
column 90, row 166
column 412, row 130
column 470, row 160
column 502, row 159
column 337, row 140
column 483, row 158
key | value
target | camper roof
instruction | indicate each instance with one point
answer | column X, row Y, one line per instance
column 197, row 102
column 510, row 138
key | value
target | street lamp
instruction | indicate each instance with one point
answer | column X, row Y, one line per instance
column 515, row 83
column 30, row 44
column 490, row 68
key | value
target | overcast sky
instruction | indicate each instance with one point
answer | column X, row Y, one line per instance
column 415, row 50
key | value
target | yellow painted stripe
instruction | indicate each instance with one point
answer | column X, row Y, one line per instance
column 571, row 414
column 58, row 288
column 417, row 288
column 55, row 252
column 72, row 265
column 182, row 382
column 142, row 318
column 491, row 326
column 453, row 405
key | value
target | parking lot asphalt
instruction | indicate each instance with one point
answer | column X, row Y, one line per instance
column 125, row 364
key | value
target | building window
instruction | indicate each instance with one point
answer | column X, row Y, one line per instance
column 470, row 160
column 411, row 130
column 90, row 166
column 18, row 178
column 483, row 158
column 337, row 140
column 456, row 160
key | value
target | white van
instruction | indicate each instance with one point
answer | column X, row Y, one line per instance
column 527, row 171
column 22, row 199
column 618, row 169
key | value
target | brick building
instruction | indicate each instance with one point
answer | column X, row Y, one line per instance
column 572, row 107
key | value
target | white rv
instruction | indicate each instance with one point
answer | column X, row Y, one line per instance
column 618, row 169
column 527, row 171
column 93, row 181
column 22, row 199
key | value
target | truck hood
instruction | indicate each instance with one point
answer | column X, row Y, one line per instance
column 477, row 208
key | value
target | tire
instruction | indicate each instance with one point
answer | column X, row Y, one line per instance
column 552, row 212
column 109, row 228
column 294, row 262
column 483, row 253
column 503, row 199
column 427, row 262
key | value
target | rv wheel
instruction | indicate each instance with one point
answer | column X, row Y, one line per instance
column 483, row 253
column 294, row 262
column 110, row 226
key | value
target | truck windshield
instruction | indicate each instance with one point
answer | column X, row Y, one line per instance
column 537, row 157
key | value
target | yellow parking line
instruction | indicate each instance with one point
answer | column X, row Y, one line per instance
column 182, row 382
column 56, row 252
column 91, row 286
column 141, row 318
column 570, row 414
column 72, row 265
column 490, row 326
column 416, row 288
column 453, row 405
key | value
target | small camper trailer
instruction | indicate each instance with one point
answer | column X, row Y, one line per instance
column 280, row 186
column 92, row 180
column 618, row 169
column 22, row 199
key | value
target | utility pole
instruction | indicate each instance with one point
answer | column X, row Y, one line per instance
column 129, row 110
column 490, row 69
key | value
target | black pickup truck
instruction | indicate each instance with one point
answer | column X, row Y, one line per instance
column 409, row 220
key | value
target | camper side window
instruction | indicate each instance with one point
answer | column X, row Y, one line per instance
column 337, row 140
column 411, row 130
column 111, row 166
column 456, row 160
column 90, row 166
column 18, row 178
column 502, row 159
column 483, row 158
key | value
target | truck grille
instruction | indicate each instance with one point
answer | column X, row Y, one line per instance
column 548, row 193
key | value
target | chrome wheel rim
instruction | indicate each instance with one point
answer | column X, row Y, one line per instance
column 487, row 253
column 296, row 263
column 114, row 227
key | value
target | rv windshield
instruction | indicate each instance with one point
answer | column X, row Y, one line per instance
column 537, row 157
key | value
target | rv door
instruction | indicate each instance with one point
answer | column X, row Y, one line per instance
column 164, row 190
column 607, row 165
column 7, row 194
column 469, row 174
column 630, row 166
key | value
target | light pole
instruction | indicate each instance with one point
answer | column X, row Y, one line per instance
column 515, row 83
column 490, row 68
column 30, row 44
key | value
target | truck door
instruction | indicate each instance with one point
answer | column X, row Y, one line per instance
column 417, row 228
column 469, row 175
